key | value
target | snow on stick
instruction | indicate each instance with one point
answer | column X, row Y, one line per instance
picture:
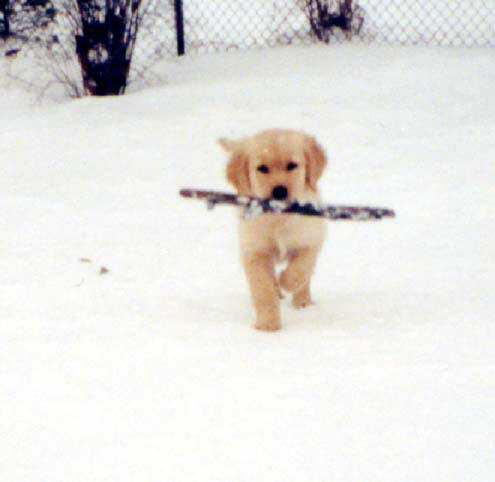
column 254, row 206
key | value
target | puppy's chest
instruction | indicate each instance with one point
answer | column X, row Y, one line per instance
column 283, row 233
column 288, row 235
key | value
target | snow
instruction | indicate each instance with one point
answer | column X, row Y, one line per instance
column 152, row 370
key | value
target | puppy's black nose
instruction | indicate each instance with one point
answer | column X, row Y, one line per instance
column 280, row 192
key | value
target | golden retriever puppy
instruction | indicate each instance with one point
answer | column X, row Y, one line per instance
column 284, row 165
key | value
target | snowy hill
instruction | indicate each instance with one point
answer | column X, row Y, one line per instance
column 127, row 348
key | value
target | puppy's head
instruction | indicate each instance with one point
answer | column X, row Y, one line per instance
column 279, row 164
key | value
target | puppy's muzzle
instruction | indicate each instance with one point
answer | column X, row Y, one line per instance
column 280, row 192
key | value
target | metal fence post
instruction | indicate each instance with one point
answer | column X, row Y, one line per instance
column 179, row 27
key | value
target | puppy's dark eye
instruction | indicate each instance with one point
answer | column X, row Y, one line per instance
column 291, row 166
column 264, row 169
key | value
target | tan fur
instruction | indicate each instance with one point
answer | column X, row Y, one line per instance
column 271, row 238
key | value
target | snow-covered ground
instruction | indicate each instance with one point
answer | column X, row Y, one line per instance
column 151, row 371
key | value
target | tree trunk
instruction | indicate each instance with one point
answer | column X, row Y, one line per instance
column 104, row 48
column 5, row 21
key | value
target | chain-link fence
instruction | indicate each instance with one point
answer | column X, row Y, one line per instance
column 219, row 25
column 167, row 28
column 458, row 23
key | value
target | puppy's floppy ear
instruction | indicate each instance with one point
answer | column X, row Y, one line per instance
column 238, row 172
column 228, row 144
column 238, row 166
column 316, row 161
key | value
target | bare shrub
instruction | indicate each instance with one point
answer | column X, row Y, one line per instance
column 88, row 46
column 327, row 16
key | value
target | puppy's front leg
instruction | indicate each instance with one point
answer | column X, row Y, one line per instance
column 260, row 273
column 296, row 277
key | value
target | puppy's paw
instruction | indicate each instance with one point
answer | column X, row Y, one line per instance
column 302, row 298
column 291, row 280
column 301, row 303
column 268, row 325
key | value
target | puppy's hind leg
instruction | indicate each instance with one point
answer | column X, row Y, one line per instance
column 265, row 293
